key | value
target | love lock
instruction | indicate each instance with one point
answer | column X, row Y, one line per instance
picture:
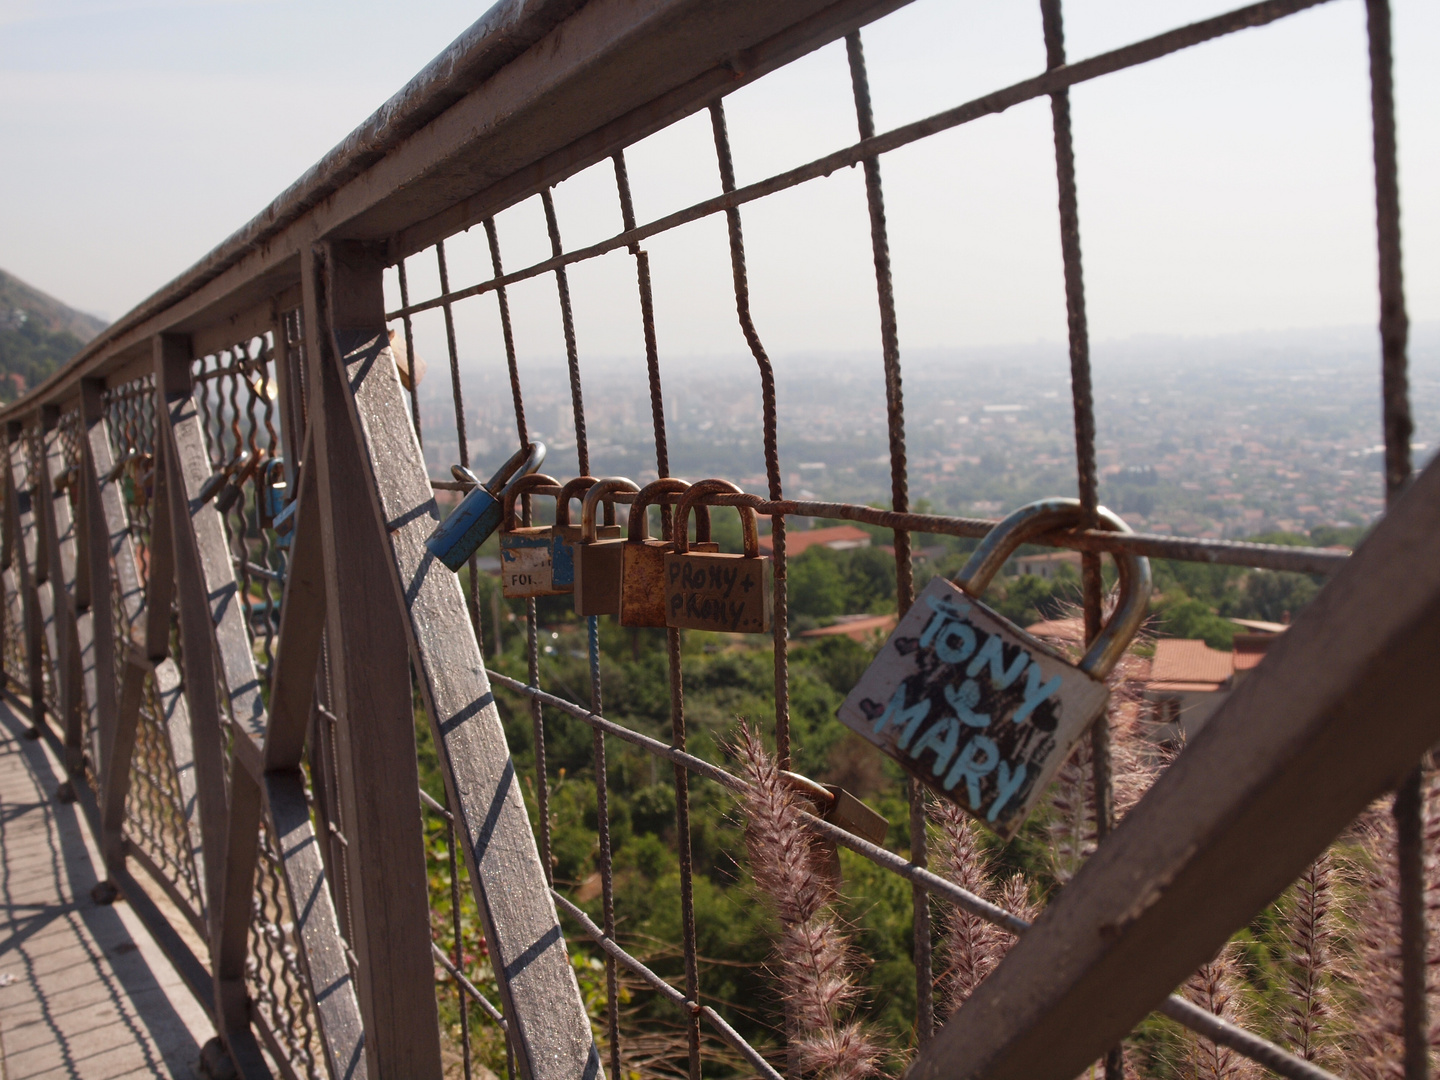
column 274, row 492
column 526, row 566
column 713, row 590
column 642, row 560
column 231, row 492
column 472, row 522
column 597, row 561
column 974, row 707
column 565, row 536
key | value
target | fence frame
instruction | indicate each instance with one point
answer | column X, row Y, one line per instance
column 534, row 92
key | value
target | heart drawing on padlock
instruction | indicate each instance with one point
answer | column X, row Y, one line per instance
column 971, row 705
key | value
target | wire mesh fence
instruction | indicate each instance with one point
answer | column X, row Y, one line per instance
column 641, row 860
column 449, row 437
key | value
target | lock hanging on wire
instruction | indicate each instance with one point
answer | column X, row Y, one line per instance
column 714, row 590
column 478, row 516
column 642, row 559
column 973, row 706
column 597, row 560
column 565, row 535
column 274, row 490
column 526, row 565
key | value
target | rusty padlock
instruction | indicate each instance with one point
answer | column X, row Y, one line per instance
column 230, row 494
column 597, row 561
column 526, row 568
column 974, row 707
column 714, row 590
column 566, row 536
column 642, row 560
column 471, row 523
column 837, row 806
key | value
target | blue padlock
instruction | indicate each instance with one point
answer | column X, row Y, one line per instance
column 478, row 516
column 274, row 491
column 565, row 536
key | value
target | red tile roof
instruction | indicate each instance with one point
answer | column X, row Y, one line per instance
column 1182, row 661
column 858, row 627
column 843, row 536
column 1250, row 649
column 1059, row 629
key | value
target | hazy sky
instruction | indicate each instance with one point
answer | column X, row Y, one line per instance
column 1224, row 190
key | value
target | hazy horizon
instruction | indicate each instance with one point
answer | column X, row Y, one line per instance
column 1222, row 190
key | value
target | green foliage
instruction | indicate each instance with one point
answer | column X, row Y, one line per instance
column 825, row 583
column 1029, row 599
column 32, row 352
column 726, row 678
column 1187, row 618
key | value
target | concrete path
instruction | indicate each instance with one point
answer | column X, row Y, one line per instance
column 84, row 992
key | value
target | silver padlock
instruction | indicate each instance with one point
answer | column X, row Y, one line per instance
column 973, row 706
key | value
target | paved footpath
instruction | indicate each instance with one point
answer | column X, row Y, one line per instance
column 84, row 992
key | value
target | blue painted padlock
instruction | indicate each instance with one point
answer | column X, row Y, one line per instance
column 459, row 536
column 274, row 491
column 565, row 536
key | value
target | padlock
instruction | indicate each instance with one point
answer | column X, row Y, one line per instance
column 642, row 560
column 597, row 561
column 221, row 476
column 837, row 806
column 138, row 479
column 274, row 491
column 714, row 590
column 526, row 568
column 231, row 492
column 566, row 536
column 974, row 707
column 472, row 522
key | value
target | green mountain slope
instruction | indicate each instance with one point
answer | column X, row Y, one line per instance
column 37, row 335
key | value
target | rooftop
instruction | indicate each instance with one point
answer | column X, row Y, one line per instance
column 1178, row 660
column 839, row 537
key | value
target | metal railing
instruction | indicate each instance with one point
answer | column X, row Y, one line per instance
column 230, row 687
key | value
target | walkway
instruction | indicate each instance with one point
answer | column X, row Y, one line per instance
column 84, row 992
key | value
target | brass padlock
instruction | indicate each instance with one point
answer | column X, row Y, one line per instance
column 597, row 561
column 714, row 590
column 526, row 569
column 642, row 561
column 974, row 707
column 566, row 536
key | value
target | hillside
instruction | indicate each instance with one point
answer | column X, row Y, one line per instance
column 37, row 334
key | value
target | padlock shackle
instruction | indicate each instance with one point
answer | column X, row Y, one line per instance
column 573, row 489
column 680, row 527
column 524, row 461
column 1048, row 516
column 650, row 495
column 598, row 491
column 529, row 484
column 248, row 469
